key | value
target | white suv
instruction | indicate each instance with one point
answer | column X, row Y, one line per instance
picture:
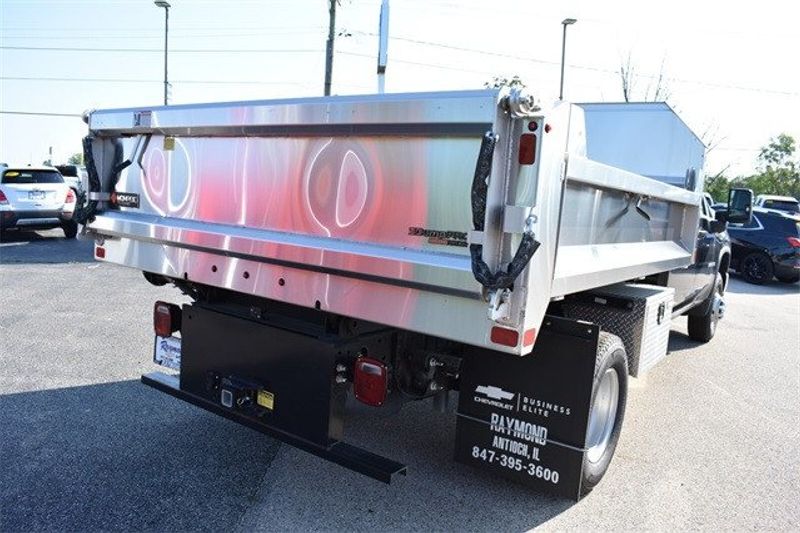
column 36, row 198
column 787, row 204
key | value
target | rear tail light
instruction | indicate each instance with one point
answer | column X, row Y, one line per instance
column 527, row 149
column 166, row 319
column 70, row 196
column 3, row 199
column 504, row 336
column 370, row 381
column 794, row 242
column 100, row 252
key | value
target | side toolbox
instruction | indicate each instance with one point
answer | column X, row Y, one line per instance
column 640, row 315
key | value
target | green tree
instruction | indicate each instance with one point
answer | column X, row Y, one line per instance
column 779, row 171
column 717, row 186
column 75, row 159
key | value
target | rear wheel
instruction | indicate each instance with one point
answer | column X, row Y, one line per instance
column 757, row 268
column 609, row 395
column 703, row 327
column 70, row 229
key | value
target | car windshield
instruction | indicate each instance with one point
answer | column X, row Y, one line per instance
column 782, row 205
column 21, row 177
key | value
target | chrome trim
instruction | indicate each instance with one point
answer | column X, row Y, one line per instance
column 37, row 221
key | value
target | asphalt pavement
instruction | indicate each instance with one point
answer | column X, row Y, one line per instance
column 709, row 440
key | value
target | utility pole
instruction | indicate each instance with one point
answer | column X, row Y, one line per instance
column 383, row 45
column 329, row 51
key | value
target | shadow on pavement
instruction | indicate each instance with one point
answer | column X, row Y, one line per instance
column 679, row 341
column 44, row 247
column 119, row 456
column 739, row 286
column 305, row 493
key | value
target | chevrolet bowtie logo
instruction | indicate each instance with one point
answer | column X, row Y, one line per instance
column 495, row 393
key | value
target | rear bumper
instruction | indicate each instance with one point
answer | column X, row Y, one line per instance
column 787, row 267
column 34, row 219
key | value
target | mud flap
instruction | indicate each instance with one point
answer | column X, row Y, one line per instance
column 525, row 418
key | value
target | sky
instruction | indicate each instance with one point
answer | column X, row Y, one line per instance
column 730, row 67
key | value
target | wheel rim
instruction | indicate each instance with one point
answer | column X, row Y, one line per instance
column 603, row 415
column 718, row 308
column 756, row 266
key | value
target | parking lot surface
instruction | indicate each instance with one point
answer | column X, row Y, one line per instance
column 710, row 439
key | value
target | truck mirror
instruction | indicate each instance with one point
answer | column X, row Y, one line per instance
column 740, row 206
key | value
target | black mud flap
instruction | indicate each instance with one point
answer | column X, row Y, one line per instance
column 525, row 418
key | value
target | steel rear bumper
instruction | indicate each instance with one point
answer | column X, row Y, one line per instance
column 50, row 218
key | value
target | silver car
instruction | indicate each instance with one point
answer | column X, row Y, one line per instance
column 36, row 198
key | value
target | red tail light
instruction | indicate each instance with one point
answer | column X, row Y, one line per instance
column 166, row 318
column 506, row 337
column 3, row 199
column 527, row 149
column 70, row 196
column 370, row 381
column 100, row 252
column 794, row 242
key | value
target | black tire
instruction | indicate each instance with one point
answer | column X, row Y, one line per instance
column 703, row 327
column 756, row 268
column 788, row 279
column 70, row 229
column 610, row 357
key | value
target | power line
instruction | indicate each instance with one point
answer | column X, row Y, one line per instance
column 177, row 35
column 133, row 80
column 581, row 67
column 34, row 113
column 161, row 50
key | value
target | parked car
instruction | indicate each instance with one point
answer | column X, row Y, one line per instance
column 36, row 198
column 74, row 175
column 767, row 246
column 778, row 203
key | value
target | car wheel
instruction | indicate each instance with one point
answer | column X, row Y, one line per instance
column 703, row 327
column 757, row 268
column 609, row 395
column 70, row 229
column 788, row 279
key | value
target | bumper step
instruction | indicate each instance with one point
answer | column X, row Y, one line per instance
column 341, row 453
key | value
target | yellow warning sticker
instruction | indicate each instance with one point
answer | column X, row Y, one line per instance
column 169, row 143
column 266, row 399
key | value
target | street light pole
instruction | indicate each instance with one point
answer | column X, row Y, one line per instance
column 166, row 6
column 565, row 23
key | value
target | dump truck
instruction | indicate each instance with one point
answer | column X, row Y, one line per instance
column 382, row 249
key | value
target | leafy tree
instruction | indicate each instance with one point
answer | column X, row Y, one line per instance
column 75, row 159
column 717, row 186
column 779, row 172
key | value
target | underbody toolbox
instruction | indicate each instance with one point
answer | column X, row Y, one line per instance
column 287, row 381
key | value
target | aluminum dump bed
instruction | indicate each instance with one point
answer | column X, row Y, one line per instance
column 401, row 209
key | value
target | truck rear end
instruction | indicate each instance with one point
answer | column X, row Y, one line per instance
column 391, row 248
